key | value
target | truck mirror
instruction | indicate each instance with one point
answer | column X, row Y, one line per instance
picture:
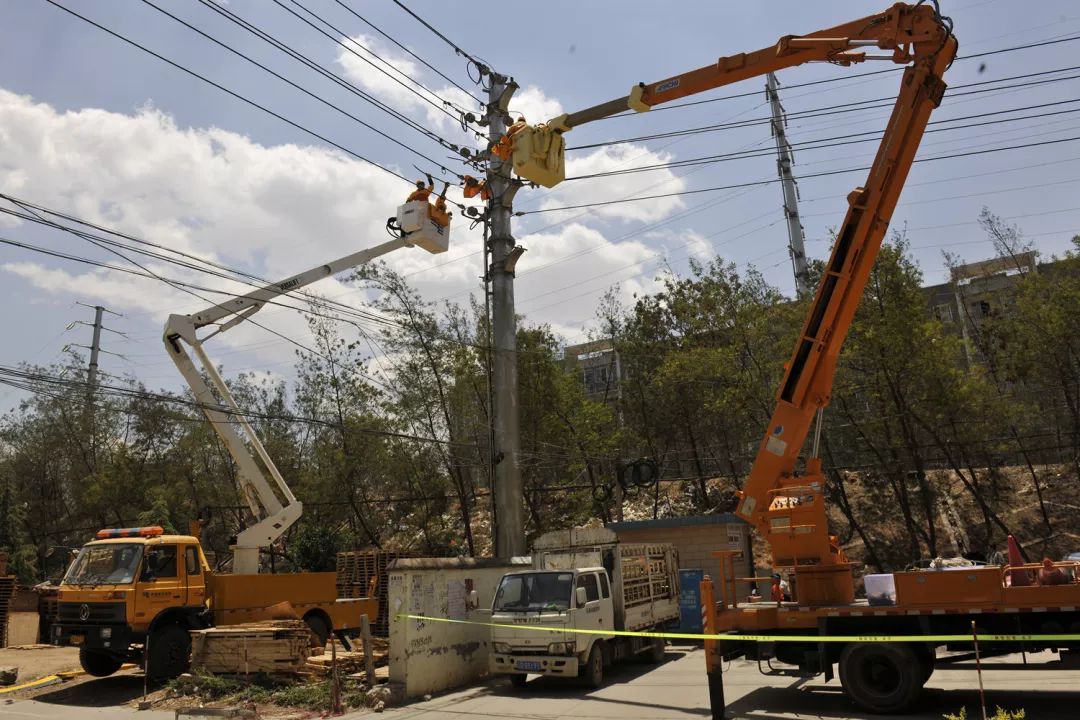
column 580, row 596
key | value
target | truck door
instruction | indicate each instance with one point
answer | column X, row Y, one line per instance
column 194, row 579
column 160, row 584
column 591, row 616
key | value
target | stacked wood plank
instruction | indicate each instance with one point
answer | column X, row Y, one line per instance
column 350, row 662
column 355, row 569
column 267, row 647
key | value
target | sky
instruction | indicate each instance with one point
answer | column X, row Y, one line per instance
column 96, row 128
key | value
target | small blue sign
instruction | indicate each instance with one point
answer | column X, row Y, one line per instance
column 690, row 600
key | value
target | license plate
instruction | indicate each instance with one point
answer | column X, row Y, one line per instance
column 527, row 665
column 78, row 639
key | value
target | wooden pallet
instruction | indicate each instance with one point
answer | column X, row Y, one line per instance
column 356, row 568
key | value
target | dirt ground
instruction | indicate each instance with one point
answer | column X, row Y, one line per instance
column 37, row 662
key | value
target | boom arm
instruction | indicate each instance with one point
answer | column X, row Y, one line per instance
column 273, row 517
column 787, row 510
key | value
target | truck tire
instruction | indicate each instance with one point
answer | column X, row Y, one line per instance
column 881, row 678
column 318, row 628
column 97, row 663
column 170, row 649
column 656, row 652
column 592, row 675
column 518, row 680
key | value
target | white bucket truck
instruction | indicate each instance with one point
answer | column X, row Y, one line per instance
column 583, row 579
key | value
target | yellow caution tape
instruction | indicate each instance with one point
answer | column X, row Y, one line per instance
column 1071, row 637
column 40, row 682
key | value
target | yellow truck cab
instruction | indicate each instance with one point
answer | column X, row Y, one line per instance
column 128, row 587
column 135, row 594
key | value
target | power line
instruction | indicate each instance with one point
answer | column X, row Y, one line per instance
column 428, row 65
column 327, row 73
column 841, row 78
column 838, row 109
column 302, row 89
column 226, row 90
column 774, row 180
column 11, row 375
column 842, row 140
column 438, row 34
column 245, row 278
column 341, row 33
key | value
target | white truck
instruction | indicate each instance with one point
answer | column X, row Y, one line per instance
column 583, row 579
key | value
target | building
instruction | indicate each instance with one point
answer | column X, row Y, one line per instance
column 599, row 367
column 976, row 292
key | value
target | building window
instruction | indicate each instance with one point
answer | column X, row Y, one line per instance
column 980, row 309
column 596, row 379
column 943, row 312
column 734, row 539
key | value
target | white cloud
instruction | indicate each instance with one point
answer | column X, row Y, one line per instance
column 616, row 187
column 389, row 75
column 537, row 107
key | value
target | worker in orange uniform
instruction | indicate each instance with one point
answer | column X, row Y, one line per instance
column 422, row 192
column 777, row 589
column 438, row 213
column 505, row 146
column 474, row 187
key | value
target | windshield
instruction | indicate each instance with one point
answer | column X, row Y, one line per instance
column 534, row 592
column 111, row 564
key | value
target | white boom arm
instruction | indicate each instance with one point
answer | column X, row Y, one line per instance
column 273, row 517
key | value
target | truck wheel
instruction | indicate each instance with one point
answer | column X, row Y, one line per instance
column 927, row 658
column 170, row 648
column 657, row 650
column 518, row 680
column 593, row 672
column 318, row 628
column 881, row 677
column 97, row 663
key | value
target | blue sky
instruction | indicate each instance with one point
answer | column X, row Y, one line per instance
column 94, row 127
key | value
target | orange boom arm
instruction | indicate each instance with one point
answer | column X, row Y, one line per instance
column 787, row 510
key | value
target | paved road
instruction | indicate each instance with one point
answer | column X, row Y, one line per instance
column 677, row 689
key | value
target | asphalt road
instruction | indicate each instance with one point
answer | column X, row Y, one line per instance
column 675, row 689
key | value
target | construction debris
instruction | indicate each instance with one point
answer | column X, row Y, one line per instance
column 267, row 647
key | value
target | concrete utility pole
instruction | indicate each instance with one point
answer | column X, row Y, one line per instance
column 95, row 347
column 508, row 494
column 796, row 237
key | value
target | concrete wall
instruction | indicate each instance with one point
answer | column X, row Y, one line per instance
column 696, row 544
column 426, row 656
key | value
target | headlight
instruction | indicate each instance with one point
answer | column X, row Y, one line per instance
column 106, row 633
column 501, row 648
column 557, row 649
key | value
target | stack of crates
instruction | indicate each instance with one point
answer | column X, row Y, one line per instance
column 354, row 572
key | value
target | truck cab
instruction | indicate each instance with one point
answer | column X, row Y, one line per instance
column 127, row 586
column 561, row 617
column 577, row 599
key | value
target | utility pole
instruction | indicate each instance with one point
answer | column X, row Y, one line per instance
column 784, row 161
column 95, row 345
column 507, row 492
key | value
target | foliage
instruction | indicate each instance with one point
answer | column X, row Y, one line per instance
column 1000, row 714
column 385, row 432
